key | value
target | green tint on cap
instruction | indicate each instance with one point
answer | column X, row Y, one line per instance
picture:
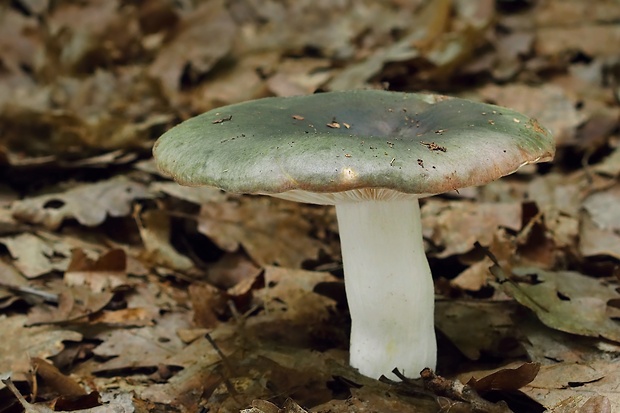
column 338, row 141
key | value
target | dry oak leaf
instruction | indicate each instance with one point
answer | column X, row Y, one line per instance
column 270, row 230
column 557, row 382
column 457, row 225
column 135, row 348
column 36, row 254
column 28, row 342
column 89, row 204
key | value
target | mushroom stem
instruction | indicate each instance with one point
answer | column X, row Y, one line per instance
column 389, row 287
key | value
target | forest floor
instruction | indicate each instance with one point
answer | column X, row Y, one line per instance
column 121, row 291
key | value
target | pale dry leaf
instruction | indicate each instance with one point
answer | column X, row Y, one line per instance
column 141, row 347
column 598, row 206
column 558, row 382
column 557, row 193
column 194, row 45
column 299, row 76
column 454, row 226
column 595, row 241
column 89, row 204
column 271, row 231
column 26, row 342
column 597, row 40
column 583, row 404
column 223, row 89
column 430, row 22
column 288, row 294
column 477, row 275
column 610, row 166
column 154, row 226
column 75, row 304
column 35, row 254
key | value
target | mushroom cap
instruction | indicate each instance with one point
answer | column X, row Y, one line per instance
column 341, row 141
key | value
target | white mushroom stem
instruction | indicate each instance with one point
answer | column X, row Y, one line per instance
column 389, row 287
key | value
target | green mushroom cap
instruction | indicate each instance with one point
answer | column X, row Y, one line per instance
column 340, row 141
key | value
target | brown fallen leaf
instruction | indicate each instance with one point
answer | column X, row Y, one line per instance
column 506, row 379
column 560, row 381
column 270, row 230
column 49, row 376
column 154, row 226
column 36, row 254
column 106, row 273
column 29, row 342
column 209, row 304
column 142, row 347
column 117, row 406
column 191, row 45
column 454, row 226
column 75, row 305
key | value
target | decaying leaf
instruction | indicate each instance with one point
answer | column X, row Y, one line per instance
column 192, row 45
column 271, row 231
column 143, row 347
column 89, row 204
column 596, row 241
column 477, row 327
column 75, row 305
column 291, row 292
column 506, row 379
column 558, row 382
column 36, row 254
column 456, row 226
column 567, row 301
column 26, row 342
column 155, row 230
column 106, row 273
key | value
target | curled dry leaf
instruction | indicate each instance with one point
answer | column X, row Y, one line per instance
column 506, row 379
column 154, row 226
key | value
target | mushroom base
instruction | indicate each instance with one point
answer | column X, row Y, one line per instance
column 389, row 287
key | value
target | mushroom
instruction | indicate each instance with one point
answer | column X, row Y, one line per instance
column 372, row 154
